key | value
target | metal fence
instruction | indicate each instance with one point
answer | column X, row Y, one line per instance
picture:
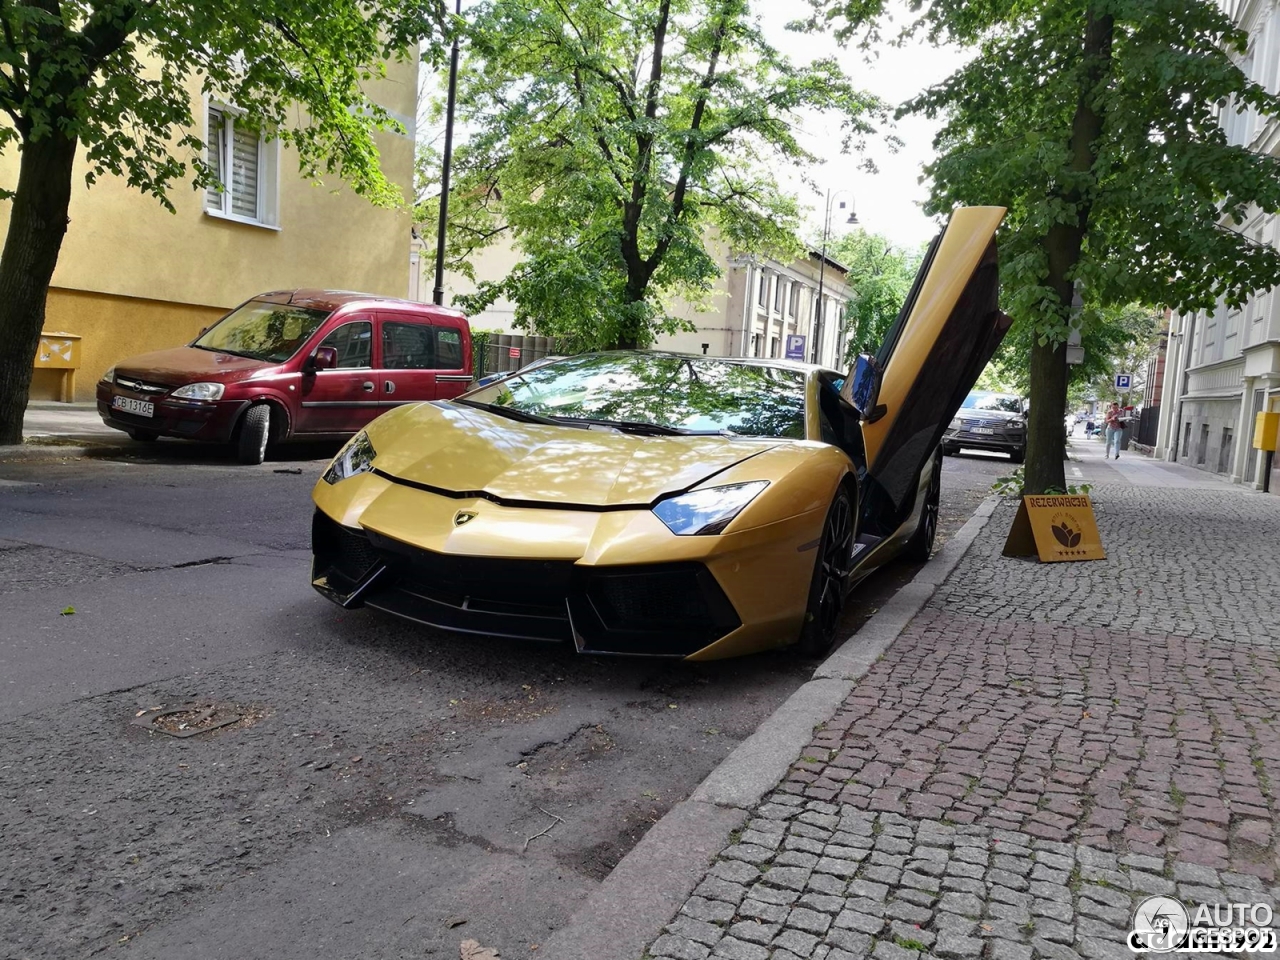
column 505, row 352
column 1148, row 425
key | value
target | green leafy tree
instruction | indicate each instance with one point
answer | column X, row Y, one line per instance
column 612, row 138
column 114, row 81
column 1096, row 122
column 879, row 279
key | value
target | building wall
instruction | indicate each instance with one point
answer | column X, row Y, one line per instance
column 1225, row 362
column 133, row 277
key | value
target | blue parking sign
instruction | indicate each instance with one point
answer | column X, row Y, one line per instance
column 795, row 347
column 1123, row 380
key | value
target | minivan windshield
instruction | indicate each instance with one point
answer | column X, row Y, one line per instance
column 675, row 394
column 993, row 401
column 271, row 332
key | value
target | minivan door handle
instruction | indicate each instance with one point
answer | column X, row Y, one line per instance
column 389, row 386
column 368, row 386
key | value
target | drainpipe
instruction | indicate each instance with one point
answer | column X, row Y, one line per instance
column 1189, row 342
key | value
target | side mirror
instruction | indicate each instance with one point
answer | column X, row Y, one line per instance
column 862, row 388
column 325, row 358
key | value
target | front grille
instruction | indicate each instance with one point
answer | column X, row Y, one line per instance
column 140, row 386
column 341, row 550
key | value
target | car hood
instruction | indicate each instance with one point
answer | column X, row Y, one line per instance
column 181, row 365
column 460, row 450
column 973, row 413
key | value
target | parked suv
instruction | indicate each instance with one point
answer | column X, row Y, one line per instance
column 292, row 364
column 989, row 421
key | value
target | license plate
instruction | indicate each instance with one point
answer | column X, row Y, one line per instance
column 140, row 408
column 986, row 430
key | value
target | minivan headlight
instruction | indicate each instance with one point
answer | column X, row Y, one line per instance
column 355, row 458
column 200, row 391
column 109, row 376
column 707, row 512
column 1016, row 424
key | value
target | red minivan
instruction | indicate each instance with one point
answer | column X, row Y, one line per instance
column 292, row 364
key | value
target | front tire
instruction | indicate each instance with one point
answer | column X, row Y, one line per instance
column 1017, row 456
column 143, row 436
column 830, row 578
column 255, row 433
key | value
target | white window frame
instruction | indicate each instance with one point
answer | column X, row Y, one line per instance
column 268, row 173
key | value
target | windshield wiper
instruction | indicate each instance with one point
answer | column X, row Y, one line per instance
column 234, row 353
column 511, row 413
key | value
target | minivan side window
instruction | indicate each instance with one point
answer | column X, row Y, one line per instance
column 353, row 341
column 407, row 346
column 448, row 348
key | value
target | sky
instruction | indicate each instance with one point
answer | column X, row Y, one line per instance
column 887, row 202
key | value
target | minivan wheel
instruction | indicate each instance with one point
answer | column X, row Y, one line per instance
column 255, row 432
column 1017, row 456
column 830, row 579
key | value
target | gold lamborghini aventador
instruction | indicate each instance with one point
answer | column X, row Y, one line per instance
column 660, row 504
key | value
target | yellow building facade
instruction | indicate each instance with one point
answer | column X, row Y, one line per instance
column 132, row 277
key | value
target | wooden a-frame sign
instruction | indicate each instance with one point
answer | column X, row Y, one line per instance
column 1057, row 529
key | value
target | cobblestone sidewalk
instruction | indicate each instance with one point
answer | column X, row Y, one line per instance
column 1040, row 748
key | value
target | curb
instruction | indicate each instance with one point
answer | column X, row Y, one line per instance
column 629, row 909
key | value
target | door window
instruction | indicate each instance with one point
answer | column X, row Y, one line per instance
column 353, row 342
column 448, row 348
column 408, row 346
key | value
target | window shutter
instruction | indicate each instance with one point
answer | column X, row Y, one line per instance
column 215, row 150
column 244, row 173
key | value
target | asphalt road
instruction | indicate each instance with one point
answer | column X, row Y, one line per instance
column 387, row 792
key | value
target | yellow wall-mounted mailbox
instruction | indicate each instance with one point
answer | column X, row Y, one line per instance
column 1265, row 430
column 60, row 352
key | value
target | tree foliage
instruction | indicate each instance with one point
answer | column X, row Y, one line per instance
column 115, row 80
column 1096, row 122
column 879, row 279
column 610, row 139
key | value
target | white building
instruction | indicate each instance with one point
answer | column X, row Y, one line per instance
column 1224, row 364
column 753, row 309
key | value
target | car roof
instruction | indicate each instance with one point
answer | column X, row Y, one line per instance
column 314, row 298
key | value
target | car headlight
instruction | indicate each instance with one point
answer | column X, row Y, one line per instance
column 109, row 376
column 707, row 512
column 199, row 391
column 955, row 423
column 1016, row 424
column 355, row 458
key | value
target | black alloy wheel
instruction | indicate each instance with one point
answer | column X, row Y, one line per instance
column 920, row 547
column 830, row 578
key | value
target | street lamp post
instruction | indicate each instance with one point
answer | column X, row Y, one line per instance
column 822, row 269
column 437, row 296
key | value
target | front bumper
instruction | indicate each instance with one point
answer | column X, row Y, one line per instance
column 671, row 609
column 1002, row 442
column 610, row 582
column 193, row 419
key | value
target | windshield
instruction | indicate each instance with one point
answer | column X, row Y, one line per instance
column 993, row 401
column 272, row 332
column 696, row 394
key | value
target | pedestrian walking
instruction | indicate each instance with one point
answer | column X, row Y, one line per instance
column 1114, row 429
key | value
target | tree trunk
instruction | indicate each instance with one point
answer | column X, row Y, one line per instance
column 37, row 224
column 1046, row 437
